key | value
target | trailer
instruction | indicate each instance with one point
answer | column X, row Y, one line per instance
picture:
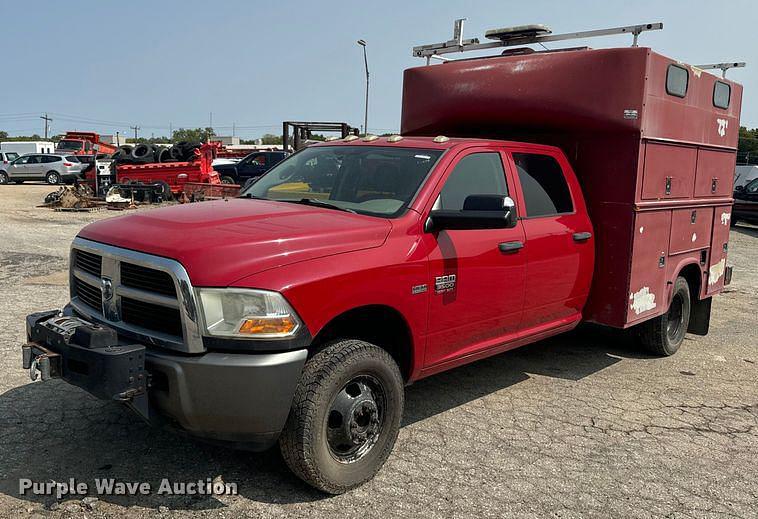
column 24, row 147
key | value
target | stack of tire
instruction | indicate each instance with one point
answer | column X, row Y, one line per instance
column 150, row 153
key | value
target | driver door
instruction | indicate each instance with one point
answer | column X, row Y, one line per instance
column 476, row 276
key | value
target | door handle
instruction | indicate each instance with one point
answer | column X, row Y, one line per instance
column 510, row 246
column 582, row 236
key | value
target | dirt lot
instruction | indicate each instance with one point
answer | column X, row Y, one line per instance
column 578, row 426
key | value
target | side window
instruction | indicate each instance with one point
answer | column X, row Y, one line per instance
column 721, row 94
column 677, row 79
column 752, row 187
column 22, row 160
column 34, row 159
column 260, row 160
column 545, row 190
column 51, row 159
column 475, row 174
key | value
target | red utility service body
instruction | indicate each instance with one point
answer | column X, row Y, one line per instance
column 655, row 169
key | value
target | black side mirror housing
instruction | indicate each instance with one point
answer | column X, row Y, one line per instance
column 479, row 212
column 739, row 189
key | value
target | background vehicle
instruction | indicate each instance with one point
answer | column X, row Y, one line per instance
column 83, row 143
column 24, row 147
column 746, row 203
column 252, row 166
column 49, row 168
column 7, row 157
column 521, row 199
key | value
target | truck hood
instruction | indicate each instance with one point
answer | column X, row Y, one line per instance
column 223, row 241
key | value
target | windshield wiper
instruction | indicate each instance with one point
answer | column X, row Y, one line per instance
column 320, row 203
column 252, row 196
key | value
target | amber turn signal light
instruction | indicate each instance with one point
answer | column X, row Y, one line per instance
column 268, row 325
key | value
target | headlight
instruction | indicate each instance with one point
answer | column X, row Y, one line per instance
column 247, row 313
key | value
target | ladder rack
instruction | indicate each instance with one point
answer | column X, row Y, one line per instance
column 526, row 35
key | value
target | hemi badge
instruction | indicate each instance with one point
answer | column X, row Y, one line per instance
column 418, row 289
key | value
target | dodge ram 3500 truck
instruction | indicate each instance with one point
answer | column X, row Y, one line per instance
column 580, row 185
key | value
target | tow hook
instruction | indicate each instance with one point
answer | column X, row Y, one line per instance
column 39, row 365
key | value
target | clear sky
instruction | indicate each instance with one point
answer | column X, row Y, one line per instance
column 106, row 65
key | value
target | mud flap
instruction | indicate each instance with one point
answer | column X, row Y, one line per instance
column 700, row 316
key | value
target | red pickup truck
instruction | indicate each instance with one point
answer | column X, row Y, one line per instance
column 297, row 312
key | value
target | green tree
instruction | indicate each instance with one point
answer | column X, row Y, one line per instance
column 270, row 138
column 192, row 134
column 4, row 135
column 747, row 147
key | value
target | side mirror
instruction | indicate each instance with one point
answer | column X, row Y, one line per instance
column 739, row 189
column 479, row 212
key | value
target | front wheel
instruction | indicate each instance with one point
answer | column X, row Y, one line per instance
column 345, row 416
column 226, row 179
column 664, row 334
column 52, row 178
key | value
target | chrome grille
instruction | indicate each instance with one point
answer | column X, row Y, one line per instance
column 146, row 297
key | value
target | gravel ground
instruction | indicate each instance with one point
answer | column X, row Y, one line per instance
column 581, row 425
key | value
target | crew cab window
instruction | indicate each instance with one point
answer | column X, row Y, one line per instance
column 721, row 94
column 545, row 190
column 677, row 79
column 475, row 174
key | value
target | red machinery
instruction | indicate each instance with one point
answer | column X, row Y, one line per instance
column 83, row 143
column 176, row 174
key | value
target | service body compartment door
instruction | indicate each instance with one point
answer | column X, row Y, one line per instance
column 647, row 279
column 715, row 173
column 719, row 244
column 669, row 171
column 690, row 229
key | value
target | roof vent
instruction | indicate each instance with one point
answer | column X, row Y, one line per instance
column 350, row 138
column 440, row 139
column 394, row 138
column 370, row 138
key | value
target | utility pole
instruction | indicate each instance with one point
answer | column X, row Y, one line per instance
column 170, row 131
column 47, row 121
column 362, row 43
column 210, row 121
column 135, row 128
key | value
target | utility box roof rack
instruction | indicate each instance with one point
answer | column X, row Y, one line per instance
column 520, row 35
column 723, row 66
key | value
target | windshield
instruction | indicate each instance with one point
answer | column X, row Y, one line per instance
column 378, row 181
column 70, row 145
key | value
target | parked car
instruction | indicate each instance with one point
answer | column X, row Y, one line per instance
column 51, row 168
column 6, row 157
column 250, row 167
column 746, row 203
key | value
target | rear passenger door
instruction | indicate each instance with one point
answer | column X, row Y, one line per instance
column 558, row 248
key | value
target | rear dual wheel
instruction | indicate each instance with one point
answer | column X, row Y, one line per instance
column 663, row 335
column 345, row 416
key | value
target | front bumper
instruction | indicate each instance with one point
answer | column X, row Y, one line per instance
column 241, row 398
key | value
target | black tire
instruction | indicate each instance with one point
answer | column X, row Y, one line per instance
column 165, row 191
column 143, row 153
column 352, row 378
column 4, row 179
column 226, row 179
column 663, row 335
column 53, row 178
